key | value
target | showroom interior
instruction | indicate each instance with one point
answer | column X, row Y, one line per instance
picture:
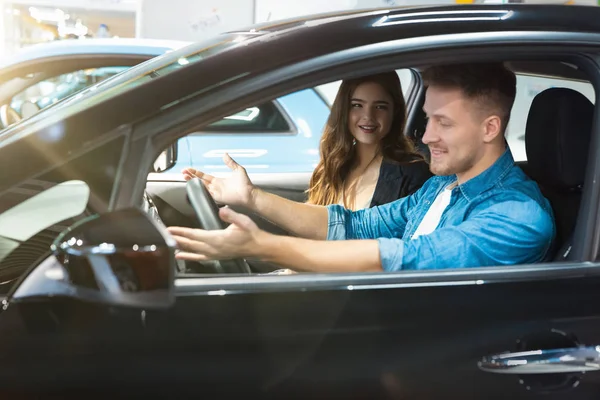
column 28, row 22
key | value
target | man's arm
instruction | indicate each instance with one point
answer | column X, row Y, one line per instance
column 304, row 220
column 514, row 231
column 333, row 222
column 243, row 239
column 321, row 256
column 385, row 221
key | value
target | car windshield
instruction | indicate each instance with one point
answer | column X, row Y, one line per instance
column 124, row 81
column 49, row 91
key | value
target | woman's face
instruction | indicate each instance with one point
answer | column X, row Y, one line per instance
column 371, row 113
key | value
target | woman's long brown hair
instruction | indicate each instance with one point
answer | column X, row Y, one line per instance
column 337, row 149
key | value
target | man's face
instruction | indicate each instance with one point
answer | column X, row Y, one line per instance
column 454, row 133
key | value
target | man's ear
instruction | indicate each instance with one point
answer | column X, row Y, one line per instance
column 492, row 126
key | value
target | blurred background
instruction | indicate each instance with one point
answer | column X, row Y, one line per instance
column 27, row 22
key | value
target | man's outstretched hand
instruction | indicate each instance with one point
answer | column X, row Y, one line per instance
column 238, row 240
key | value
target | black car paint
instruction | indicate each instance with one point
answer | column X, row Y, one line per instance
column 396, row 336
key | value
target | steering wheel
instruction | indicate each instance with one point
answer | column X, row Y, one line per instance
column 207, row 212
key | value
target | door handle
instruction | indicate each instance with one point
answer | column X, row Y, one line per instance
column 575, row 359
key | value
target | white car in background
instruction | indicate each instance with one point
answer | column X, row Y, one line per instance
column 41, row 75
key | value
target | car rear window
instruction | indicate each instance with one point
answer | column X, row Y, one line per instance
column 528, row 86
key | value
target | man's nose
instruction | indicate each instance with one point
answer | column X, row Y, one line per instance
column 429, row 136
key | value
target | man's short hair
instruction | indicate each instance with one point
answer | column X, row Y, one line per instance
column 490, row 85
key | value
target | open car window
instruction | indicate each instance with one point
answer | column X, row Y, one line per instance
column 278, row 136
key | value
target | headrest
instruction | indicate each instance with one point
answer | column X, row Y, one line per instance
column 557, row 138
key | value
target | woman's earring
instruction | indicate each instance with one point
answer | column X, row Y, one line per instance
column 354, row 142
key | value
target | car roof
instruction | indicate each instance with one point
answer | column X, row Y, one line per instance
column 82, row 47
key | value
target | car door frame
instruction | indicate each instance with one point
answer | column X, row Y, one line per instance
column 154, row 134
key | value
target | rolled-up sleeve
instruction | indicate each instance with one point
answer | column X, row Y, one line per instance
column 391, row 252
column 371, row 224
column 386, row 221
column 336, row 222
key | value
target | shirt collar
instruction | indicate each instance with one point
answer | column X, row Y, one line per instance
column 488, row 178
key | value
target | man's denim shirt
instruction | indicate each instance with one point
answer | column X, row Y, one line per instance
column 497, row 218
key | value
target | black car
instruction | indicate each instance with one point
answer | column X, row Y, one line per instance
column 96, row 305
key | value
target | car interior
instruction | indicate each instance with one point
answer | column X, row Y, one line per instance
column 556, row 139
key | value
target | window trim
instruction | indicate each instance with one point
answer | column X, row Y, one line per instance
column 212, row 284
column 415, row 95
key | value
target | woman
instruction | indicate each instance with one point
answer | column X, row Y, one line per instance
column 366, row 160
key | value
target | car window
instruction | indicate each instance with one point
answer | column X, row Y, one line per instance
column 264, row 118
column 36, row 211
column 528, row 86
column 329, row 90
column 251, row 134
column 278, row 136
column 51, row 90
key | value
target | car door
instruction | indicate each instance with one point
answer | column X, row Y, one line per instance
column 398, row 336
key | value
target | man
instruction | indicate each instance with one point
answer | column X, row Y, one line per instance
column 479, row 210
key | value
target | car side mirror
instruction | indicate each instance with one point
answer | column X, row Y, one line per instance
column 121, row 258
column 167, row 159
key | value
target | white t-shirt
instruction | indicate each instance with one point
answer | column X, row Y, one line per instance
column 434, row 214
